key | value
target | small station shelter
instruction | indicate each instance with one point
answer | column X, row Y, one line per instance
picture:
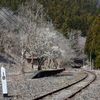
column 35, row 62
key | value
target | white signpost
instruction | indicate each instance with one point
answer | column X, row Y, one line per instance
column 4, row 82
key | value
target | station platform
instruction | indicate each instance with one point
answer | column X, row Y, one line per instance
column 43, row 73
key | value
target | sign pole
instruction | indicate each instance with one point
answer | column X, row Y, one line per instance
column 4, row 82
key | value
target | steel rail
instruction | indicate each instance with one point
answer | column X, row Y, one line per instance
column 84, row 79
column 89, row 81
column 50, row 93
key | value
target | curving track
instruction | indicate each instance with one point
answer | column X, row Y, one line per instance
column 70, row 90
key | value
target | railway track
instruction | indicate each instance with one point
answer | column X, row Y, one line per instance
column 69, row 91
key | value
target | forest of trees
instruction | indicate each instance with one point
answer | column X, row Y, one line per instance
column 70, row 14
column 93, row 42
column 65, row 14
column 12, row 4
column 30, row 34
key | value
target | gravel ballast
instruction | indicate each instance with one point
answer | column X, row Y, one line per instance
column 21, row 88
column 29, row 89
column 92, row 92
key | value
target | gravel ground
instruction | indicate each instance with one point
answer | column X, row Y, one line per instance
column 92, row 92
column 28, row 89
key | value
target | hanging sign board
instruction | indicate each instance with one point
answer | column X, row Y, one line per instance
column 4, row 82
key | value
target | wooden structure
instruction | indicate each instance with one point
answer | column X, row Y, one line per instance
column 35, row 61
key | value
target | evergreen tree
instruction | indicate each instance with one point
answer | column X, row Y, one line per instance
column 75, row 14
column 93, row 42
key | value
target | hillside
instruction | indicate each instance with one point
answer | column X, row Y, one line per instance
column 54, row 32
column 73, row 20
column 65, row 14
column 69, row 14
column 18, row 32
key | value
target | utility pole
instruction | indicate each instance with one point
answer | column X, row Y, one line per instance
column 90, row 61
column 83, row 61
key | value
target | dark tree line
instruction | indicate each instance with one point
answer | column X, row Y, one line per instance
column 12, row 4
column 92, row 45
column 71, row 14
column 65, row 14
